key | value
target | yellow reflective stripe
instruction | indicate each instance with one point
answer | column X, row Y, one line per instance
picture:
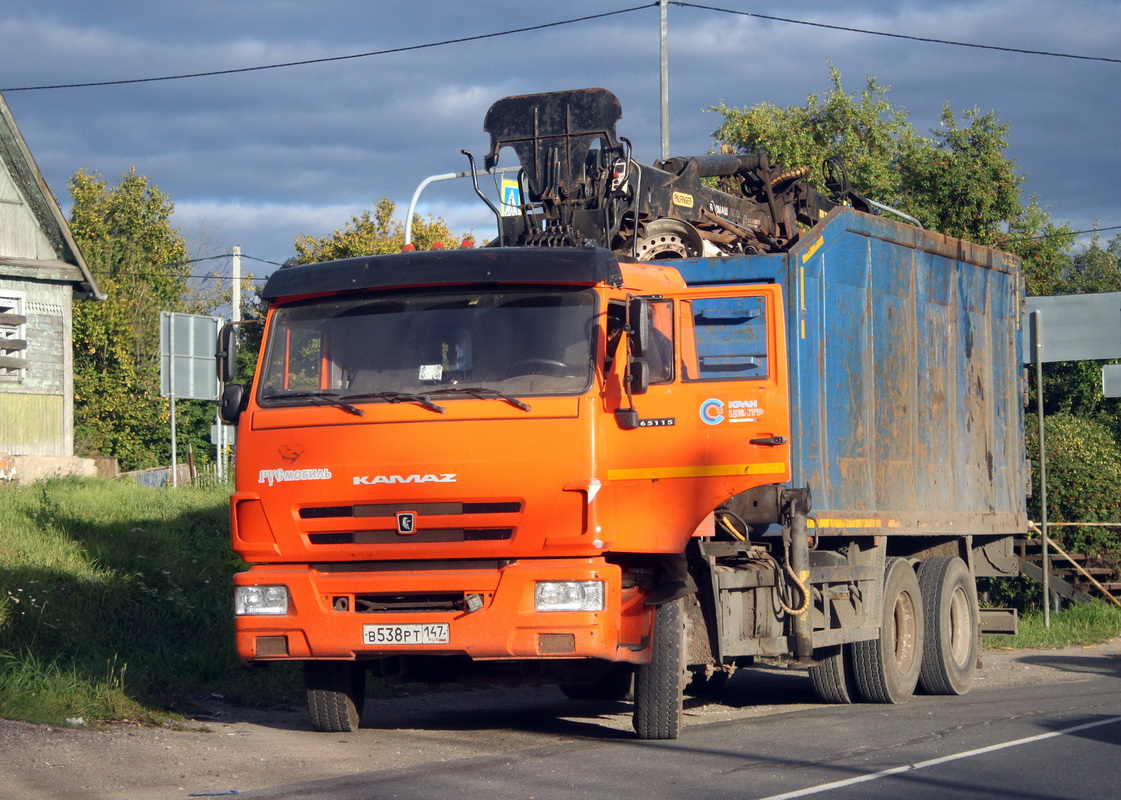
column 813, row 249
column 851, row 523
column 713, row 471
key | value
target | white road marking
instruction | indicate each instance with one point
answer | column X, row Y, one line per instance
column 826, row 787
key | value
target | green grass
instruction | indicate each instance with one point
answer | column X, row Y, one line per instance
column 115, row 603
column 1090, row 623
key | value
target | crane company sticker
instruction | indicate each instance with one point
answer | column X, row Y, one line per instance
column 273, row 476
column 370, row 480
column 715, row 411
column 712, row 411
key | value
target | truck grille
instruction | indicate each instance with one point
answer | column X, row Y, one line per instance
column 423, row 509
column 422, row 535
column 395, row 603
column 494, row 521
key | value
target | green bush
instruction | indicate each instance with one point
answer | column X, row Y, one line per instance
column 1083, row 485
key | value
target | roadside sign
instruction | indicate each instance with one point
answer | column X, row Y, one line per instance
column 1111, row 380
column 1076, row 327
column 223, row 435
column 187, row 344
column 511, row 197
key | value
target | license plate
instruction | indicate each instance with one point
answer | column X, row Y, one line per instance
column 428, row 633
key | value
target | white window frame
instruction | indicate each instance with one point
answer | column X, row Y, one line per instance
column 12, row 302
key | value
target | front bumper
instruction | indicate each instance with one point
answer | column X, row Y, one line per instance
column 325, row 619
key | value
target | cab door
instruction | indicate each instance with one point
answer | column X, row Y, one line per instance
column 715, row 424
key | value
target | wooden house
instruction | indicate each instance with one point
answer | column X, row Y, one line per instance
column 42, row 273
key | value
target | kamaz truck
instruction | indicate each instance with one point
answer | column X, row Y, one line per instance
column 654, row 431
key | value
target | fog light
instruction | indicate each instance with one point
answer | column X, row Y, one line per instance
column 568, row 596
column 260, row 600
column 271, row 646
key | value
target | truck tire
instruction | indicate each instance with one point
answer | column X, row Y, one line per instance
column 617, row 684
column 658, row 685
column 336, row 694
column 832, row 675
column 887, row 668
column 953, row 621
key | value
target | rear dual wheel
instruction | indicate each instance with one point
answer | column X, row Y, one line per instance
column 953, row 621
column 929, row 638
column 886, row 670
column 832, row 677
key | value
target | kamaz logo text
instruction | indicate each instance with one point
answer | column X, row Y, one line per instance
column 369, row 480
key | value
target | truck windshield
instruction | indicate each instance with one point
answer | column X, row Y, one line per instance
column 393, row 345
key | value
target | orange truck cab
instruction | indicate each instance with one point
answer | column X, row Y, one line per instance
column 450, row 454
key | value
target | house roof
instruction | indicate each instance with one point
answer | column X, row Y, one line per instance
column 67, row 264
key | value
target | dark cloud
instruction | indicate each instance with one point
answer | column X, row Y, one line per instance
column 257, row 158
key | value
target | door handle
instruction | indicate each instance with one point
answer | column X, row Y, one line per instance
column 770, row 441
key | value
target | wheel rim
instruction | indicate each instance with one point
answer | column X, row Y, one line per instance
column 662, row 246
column 906, row 630
column 961, row 627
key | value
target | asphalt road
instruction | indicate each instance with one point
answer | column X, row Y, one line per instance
column 1038, row 725
column 1041, row 740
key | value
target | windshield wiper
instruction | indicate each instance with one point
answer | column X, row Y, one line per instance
column 485, row 394
column 397, row 397
column 326, row 396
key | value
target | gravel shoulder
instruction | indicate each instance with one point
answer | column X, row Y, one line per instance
column 235, row 748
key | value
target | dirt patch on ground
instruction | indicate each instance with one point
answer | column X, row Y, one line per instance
column 227, row 747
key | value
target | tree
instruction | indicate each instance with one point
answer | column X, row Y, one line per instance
column 137, row 257
column 958, row 181
column 373, row 234
column 866, row 132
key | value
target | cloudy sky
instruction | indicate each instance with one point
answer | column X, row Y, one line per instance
column 259, row 157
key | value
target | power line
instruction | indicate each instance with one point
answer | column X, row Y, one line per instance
column 405, row 49
column 1058, row 235
column 192, row 276
column 925, row 39
column 546, row 25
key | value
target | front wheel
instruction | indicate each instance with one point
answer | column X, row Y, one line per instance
column 336, row 694
column 658, row 685
column 953, row 623
column 887, row 668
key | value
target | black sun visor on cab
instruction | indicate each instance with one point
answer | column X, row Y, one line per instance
column 518, row 265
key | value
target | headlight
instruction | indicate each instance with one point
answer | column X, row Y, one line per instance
column 260, row 600
column 568, row 596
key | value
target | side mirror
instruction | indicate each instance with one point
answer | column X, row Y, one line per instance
column 226, row 357
column 638, row 377
column 639, row 324
column 230, row 404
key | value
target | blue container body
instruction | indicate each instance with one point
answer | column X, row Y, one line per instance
column 905, row 375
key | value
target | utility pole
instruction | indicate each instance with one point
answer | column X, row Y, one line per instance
column 665, row 78
column 235, row 316
column 235, row 290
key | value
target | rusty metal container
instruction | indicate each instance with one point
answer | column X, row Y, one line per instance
column 905, row 375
